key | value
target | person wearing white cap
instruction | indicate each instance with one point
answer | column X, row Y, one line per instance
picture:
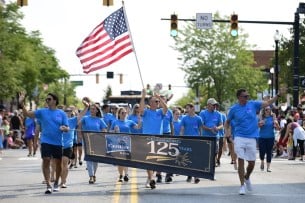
column 212, row 122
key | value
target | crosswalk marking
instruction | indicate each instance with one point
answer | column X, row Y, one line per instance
column 27, row 158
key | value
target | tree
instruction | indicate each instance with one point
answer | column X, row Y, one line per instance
column 218, row 63
column 25, row 64
column 286, row 58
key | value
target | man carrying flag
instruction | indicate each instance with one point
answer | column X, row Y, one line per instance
column 107, row 43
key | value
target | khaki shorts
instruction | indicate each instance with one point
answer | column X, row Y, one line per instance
column 245, row 148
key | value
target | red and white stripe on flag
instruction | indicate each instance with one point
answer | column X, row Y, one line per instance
column 106, row 44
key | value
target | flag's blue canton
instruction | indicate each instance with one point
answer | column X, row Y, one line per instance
column 115, row 24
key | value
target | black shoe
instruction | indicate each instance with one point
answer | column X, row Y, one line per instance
column 91, row 181
column 168, row 179
column 189, row 179
column 159, row 178
column 80, row 163
column 197, row 180
column 49, row 190
column 152, row 184
column 71, row 166
column 218, row 162
column 120, row 178
column 126, row 178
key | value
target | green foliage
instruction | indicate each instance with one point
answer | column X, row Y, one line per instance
column 218, row 63
column 286, row 58
column 25, row 63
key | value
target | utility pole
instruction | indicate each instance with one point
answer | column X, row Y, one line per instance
column 295, row 88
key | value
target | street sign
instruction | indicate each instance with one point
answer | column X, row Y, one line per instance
column 204, row 20
column 77, row 83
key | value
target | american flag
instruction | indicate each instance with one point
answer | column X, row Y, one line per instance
column 106, row 44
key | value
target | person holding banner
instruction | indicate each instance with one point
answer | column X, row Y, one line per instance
column 93, row 123
column 123, row 125
column 191, row 125
column 244, row 116
column 152, row 123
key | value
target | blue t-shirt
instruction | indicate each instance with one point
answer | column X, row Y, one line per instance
column 90, row 123
column 69, row 136
column 29, row 124
column 109, row 118
column 50, row 121
column 267, row 130
column 245, row 119
column 124, row 126
column 192, row 125
column 177, row 127
column 167, row 120
column 221, row 132
column 210, row 120
column 153, row 121
column 134, row 118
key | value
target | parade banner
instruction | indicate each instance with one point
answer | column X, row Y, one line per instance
column 184, row 155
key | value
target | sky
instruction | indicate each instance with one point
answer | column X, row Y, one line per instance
column 64, row 24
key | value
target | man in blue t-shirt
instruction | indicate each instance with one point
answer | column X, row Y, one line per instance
column 244, row 116
column 212, row 123
column 53, row 123
column 152, row 123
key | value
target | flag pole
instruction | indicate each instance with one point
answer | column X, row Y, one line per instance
column 130, row 35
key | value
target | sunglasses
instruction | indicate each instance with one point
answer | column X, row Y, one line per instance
column 157, row 101
column 245, row 96
column 48, row 99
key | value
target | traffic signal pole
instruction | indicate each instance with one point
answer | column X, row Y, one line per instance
column 296, row 27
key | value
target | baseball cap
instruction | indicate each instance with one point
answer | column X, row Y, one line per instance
column 212, row 101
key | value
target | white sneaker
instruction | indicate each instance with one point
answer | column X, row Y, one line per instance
column 242, row 190
column 284, row 155
column 147, row 185
column 248, row 184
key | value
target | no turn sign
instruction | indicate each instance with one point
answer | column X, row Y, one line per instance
column 204, row 20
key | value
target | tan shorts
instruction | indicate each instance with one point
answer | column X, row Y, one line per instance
column 245, row 148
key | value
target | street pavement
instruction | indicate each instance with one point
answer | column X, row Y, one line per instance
column 21, row 181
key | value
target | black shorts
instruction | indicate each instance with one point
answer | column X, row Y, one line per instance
column 221, row 142
column 77, row 144
column 68, row 152
column 52, row 151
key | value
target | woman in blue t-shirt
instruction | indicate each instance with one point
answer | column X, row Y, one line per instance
column 267, row 124
column 93, row 123
column 123, row 125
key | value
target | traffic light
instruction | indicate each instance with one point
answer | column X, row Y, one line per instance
column 174, row 25
column 107, row 2
column 97, row 78
column 109, row 75
column 234, row 25
column 121, row 78
column 22, row 2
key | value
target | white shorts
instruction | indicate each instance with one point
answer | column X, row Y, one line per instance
column 245, row 148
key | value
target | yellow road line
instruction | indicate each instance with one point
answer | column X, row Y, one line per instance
column 134, row 187
column 116, row 194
